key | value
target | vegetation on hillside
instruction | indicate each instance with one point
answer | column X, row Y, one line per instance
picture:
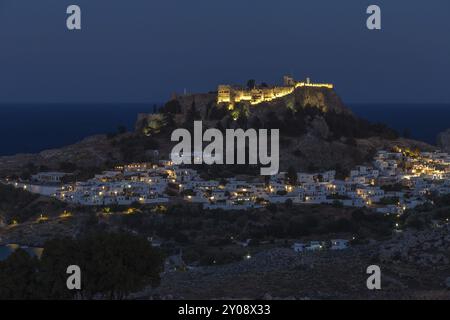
column 213, row 231
column 17, row 205
column 291, row 117
column 436, row 211
column 112, row 266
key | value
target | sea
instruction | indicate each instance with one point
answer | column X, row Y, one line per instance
column 29, row 128
column 422, row 122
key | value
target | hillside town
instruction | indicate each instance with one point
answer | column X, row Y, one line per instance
column 395, row 181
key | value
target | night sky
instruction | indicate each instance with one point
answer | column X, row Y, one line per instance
column 143, row 50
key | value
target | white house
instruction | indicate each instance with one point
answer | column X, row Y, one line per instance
column 314, row 246
column 339, row 244
column 49, row 177
column 299, row 247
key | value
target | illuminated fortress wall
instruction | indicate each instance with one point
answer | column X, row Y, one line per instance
column 231, row 95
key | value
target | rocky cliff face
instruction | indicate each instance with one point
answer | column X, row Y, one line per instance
column 322, row 98
column 443, row 140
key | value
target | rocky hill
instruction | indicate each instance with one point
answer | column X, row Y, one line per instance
column 91, row 151
column 318, row 131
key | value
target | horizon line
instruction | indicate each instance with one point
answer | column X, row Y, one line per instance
column 160, row 102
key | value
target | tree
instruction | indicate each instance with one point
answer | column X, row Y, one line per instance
column 57, row 256
column 337, row 204
column 272, row 121
column 169, row 120
column 217, row 113
column 251, row 84
column 291, row 176
column 255, row 123
column 288, row 203
column 117, row 264
column 18, row 276
column 113, row 265
column 266, row 181
column 173, row 106
column 220, row 127
column 192, row 114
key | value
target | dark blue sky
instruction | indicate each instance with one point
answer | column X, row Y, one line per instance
column 142, row 50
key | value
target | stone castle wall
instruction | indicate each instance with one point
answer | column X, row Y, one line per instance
column 231, row 95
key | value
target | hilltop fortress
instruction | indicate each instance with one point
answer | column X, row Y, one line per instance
column 234, row 94
column 212, row 105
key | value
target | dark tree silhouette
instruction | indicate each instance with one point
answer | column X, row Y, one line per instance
column 18, row 277
column 113, row 265
column 291, row 176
